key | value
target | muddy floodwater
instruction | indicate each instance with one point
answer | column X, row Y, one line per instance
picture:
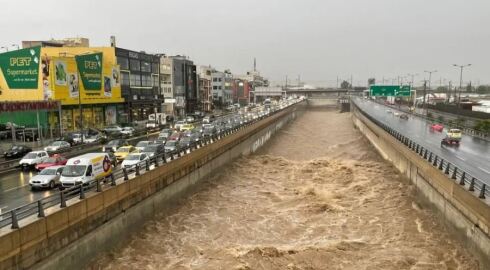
column 317, row 196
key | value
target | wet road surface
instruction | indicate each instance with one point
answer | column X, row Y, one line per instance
column 317, row 196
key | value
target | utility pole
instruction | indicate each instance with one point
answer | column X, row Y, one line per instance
column 412, row 77
column 286, row 85
column 460, row 80
column 424, row 105
column 351, row 82
column 430, row 75
column 448, row 92
column 337, row 85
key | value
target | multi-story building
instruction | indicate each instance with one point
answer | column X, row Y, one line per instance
column 84, row 80
column 205, row 97
column 222, row 83
column 184, row 81
column 140, row 84
column 166, row 84
column 241, row 91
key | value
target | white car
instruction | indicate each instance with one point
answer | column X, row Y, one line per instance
column 132, row 159
column 141, row 145
column 57, row 145
column 178, row 125
column 47, row 178
column 33, row 158
column 93, row 138
column 127, row 131
column 189, row 119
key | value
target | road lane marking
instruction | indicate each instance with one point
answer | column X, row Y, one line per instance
column 19, row 187
column 483, row 170
column 458, row 157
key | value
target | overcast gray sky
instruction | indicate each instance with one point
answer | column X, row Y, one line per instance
column 319, row 39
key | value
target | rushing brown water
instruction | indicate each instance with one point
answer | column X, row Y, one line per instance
column 316, row 197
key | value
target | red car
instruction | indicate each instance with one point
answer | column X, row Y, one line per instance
column 176, row 136
column 437, row 127
column 53, row 160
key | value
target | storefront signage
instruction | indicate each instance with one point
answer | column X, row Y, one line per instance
column 90, row 69
column 20, row 68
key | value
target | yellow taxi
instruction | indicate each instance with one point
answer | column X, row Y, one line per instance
column 186, row 127
column 123, row 151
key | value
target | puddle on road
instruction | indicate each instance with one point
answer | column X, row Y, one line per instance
column 316, row 197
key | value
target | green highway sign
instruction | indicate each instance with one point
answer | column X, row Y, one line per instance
column 404, row 91
column 390, row 90
column 384, row 90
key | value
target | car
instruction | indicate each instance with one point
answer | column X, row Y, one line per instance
column 128, row 131
column 133, row 159
column 179, row 124
column 208, row 119
column 388, row 111
column 152, row 124
column 190, row 119
column 396, row 114
column 142, row 144
column 176, row 136
column 67, row 137
column 404, row 116
column 165, row 132
column 113, row 145
column 154, row 150
column 171, row 146
column 209, row 131
column 54, row 160
column 95, row 138
column 123, row 151
column 437, row 127
column 185, row 142
column 77, row 138
column 33, row 158
column 113, row 131
column 57, row 146
column 186, row 127
column 16, row 151
column 47, row 178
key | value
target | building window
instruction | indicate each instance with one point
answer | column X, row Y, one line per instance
column 125, row 78
column 135, row 80
column 123, row 63
column 215, row 87
column 215, row 79
column 134, row 65
column 220, row 79
column 155, row 81
column 145, row 66
column 146, row 80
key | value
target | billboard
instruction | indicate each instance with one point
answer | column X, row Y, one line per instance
column 90, row 69
column 20, row 68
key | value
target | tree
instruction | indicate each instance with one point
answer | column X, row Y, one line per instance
column 441, row 89
column 371, row 81
column 469, row 88
column 483, row 89
column 483, row 126
column 345, row 85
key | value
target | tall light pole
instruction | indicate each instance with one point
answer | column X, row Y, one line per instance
column 460, row 80
column 412, row 76
column 430, row 75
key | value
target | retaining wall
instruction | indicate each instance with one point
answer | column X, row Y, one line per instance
column 467, row 215
column 70, row 237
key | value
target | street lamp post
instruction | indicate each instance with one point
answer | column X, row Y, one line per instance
column 430, row 75
column 412, row 75
column 460, row 80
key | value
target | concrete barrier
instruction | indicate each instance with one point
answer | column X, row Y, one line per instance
column 467, row 215
column 68, row 238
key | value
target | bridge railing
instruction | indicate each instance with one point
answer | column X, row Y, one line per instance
column 37, row 208
column 459, row 175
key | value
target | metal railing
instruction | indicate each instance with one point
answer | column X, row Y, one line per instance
column 12, row 217
column 463, row 178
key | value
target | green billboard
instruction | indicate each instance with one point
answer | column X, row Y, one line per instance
column 390, row 90
column 90, row 69
column 20, row 68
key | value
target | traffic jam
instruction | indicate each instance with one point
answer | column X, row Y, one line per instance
column 66, row 163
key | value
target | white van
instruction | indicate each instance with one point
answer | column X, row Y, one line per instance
column 85, row 168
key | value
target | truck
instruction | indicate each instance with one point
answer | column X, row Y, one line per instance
column 85, row 168
column 155, row 120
